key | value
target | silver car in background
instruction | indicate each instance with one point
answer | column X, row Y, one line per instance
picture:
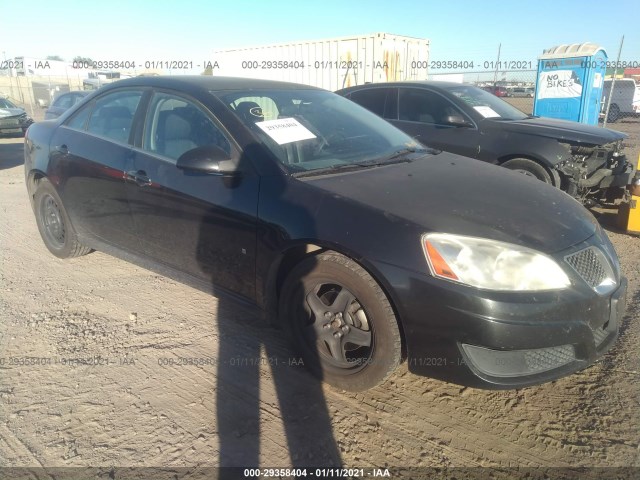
column 13, row 119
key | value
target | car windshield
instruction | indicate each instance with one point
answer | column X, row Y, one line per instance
column 4, row 103
column 315, row 130
column 485, row 103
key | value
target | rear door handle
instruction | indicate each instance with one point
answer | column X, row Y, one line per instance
column 139, row 176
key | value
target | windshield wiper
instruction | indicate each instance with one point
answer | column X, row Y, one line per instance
column 334, row 169
column 399, row 156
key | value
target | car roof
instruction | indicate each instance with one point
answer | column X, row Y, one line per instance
column 411, row 83
column 204, row 82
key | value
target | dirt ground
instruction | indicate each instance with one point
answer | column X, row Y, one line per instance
column 149, row 406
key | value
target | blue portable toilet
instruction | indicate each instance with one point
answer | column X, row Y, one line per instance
column 569, row 83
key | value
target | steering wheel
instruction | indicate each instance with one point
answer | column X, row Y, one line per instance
column 335, row 137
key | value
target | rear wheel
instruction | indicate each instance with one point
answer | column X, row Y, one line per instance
column 531, row 168
column 341, row 322
column 54, row 224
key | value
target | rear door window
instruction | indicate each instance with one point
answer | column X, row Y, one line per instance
column 112, row 115
column 372, row 99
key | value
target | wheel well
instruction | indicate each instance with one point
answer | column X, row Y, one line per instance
column 553, row 173
column 295, row 255
column 33, row 183
column 506, row 158
column 291, row 258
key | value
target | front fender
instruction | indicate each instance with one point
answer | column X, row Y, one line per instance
column 36, row 151
column 507, row 145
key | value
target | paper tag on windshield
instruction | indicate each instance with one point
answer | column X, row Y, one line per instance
column 486, row 112
column 285, row 130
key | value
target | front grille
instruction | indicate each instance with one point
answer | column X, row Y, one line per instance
column 594, row 268
column 9, row 122
column 547, row 358
column 588, row 266
column 518, row 363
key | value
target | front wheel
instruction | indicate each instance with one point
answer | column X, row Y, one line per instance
column 530, row 168
column 54, row 224
column 341, row 322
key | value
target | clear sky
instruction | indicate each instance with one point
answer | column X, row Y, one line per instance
column 192, row 29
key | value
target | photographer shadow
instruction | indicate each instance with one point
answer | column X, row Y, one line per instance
column 252, row 355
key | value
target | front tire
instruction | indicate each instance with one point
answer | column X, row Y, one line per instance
column 530, row 168
column 54, row 225
column 341, row 322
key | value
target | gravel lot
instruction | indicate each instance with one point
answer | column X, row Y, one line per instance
column 137, row 411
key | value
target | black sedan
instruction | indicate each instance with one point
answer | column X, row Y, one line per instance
column 583, row 160
column 63, row 102
column 13, row 119
column 367, row 247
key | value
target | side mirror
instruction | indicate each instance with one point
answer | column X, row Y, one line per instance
column 457, row 121
column 208, row 159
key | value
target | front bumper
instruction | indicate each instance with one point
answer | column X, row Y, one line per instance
column 502, row 340
column 12, row 125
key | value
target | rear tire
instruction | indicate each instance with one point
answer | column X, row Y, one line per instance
column 341, row 322
column 530, row 168
column 54, row 225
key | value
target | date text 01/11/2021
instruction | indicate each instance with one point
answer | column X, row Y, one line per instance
column 316, row 473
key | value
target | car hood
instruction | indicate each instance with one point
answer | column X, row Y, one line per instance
column 453, row 194
column 560, row 129
column 10, row 112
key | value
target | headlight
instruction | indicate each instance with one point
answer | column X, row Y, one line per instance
column 24, row 119
column 490, row 264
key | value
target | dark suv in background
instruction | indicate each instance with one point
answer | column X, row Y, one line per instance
column 583, row 160
column 64, row 102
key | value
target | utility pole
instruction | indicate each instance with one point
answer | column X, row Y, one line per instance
column 613, row 83
column 495, row 75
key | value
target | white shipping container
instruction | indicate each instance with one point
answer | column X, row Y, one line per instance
column 331, row 64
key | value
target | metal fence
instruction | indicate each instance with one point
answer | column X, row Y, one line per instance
column 35, row 93
column 514, row 81
column 515, row 86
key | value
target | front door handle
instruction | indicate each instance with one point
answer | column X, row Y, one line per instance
column 139, row 176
